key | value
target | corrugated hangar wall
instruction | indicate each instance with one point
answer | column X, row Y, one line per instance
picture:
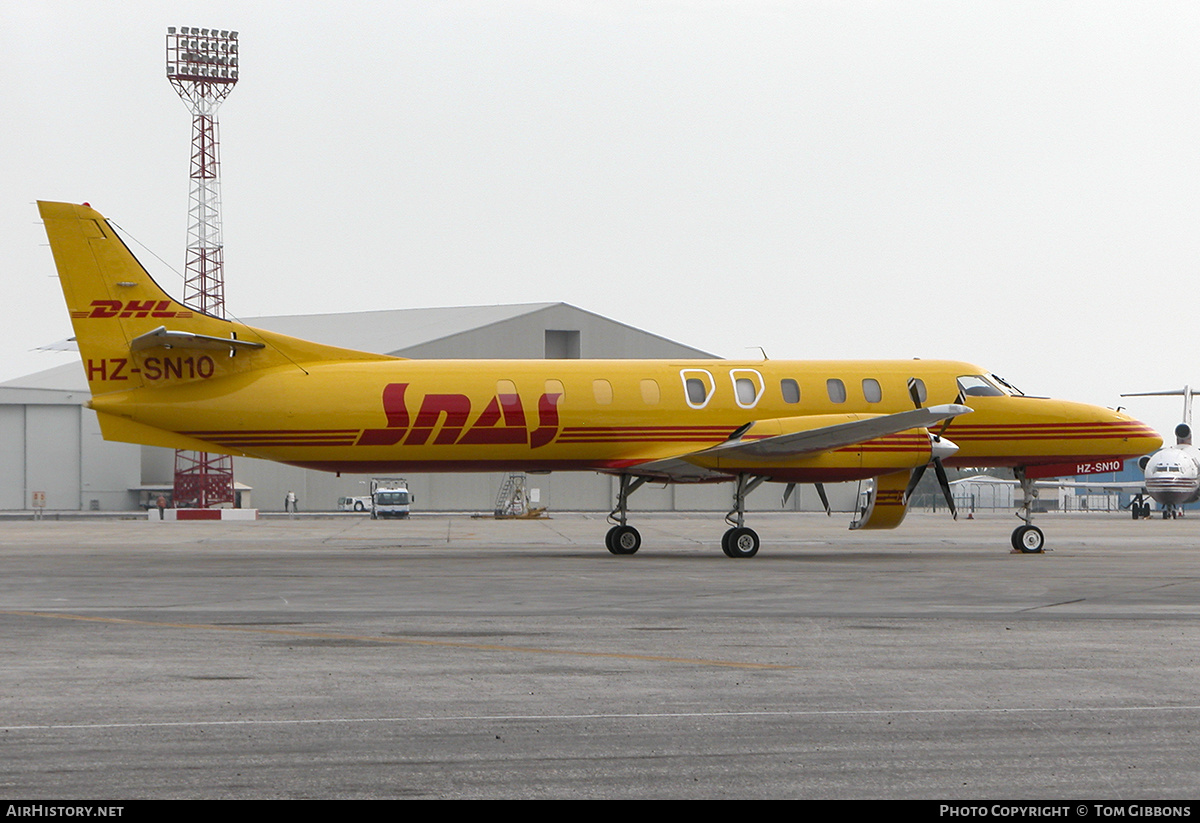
column 55, row 448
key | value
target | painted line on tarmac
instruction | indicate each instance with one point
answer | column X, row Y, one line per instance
column 819, row 713
column 400, row 641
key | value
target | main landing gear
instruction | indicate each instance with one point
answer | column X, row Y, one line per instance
column 741, row 541
column 1027, row 539
column 623, row 538
column 738, row 541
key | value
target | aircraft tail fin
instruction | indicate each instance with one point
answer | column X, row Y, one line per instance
column 132, row 334
column 1183, row 432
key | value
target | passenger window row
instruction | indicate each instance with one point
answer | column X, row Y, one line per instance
column 699, row 387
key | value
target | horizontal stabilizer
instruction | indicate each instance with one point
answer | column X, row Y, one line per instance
column 187, row 340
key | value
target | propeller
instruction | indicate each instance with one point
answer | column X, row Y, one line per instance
column 940, row 448
column 791, row 487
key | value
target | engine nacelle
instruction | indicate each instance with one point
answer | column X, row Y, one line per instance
column 885, row 507
column 1183, row 435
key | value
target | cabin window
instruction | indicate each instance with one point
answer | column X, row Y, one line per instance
column 697, row 387
column 919, row 384
column 790, row 390
column 747, row 387
column 504, row 387
column 556, row 387
column 836, row 389
column 650, row 394
column 602, row 391
column 871, row 390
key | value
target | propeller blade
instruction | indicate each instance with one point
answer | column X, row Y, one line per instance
column 787, row 492
column 913, row 392
column 913, row 480
column 824, row 499
column 944, row 482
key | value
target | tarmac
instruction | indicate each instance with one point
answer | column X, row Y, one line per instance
column 451, row 657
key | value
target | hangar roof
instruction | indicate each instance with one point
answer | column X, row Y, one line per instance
column 411, row 332
column 458, row 331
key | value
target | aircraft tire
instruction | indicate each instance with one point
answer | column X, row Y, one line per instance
column 622, row 540
column 1028, row 539
column 740, row 542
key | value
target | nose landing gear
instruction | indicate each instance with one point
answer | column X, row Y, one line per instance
column 1027, row 539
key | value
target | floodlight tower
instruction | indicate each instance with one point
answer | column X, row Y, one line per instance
column 202, row 65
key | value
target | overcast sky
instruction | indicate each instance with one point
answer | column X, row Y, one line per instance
column 1013, row 184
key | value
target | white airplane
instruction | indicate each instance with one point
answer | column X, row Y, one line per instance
column 1172, row 474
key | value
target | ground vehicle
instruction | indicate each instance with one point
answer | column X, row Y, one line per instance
column 354, row 504
column 390, row 498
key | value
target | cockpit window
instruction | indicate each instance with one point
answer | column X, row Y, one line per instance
column 1004, row 384
column 976, row 385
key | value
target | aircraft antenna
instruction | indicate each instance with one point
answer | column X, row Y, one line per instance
column 202, row 65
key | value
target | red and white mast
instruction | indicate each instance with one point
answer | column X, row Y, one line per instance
column 202, row 65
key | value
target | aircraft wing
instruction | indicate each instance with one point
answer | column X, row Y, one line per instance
column 781, row 447
column 1112, row 485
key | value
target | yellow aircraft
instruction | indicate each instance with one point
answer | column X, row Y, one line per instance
column 163, row 374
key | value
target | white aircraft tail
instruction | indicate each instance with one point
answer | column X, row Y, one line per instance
column 1183, row 432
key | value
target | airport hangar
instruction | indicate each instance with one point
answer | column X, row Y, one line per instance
column 51, row 443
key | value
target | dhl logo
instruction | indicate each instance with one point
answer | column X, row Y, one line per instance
column 501, row 422
column 131, row 308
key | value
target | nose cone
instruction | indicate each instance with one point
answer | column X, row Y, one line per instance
column 941, row 448
column 1143, row 439
column 1126, row 436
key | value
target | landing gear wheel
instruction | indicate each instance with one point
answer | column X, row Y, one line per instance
column 1028, row 539
column 740, row 542
column 623, row 540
